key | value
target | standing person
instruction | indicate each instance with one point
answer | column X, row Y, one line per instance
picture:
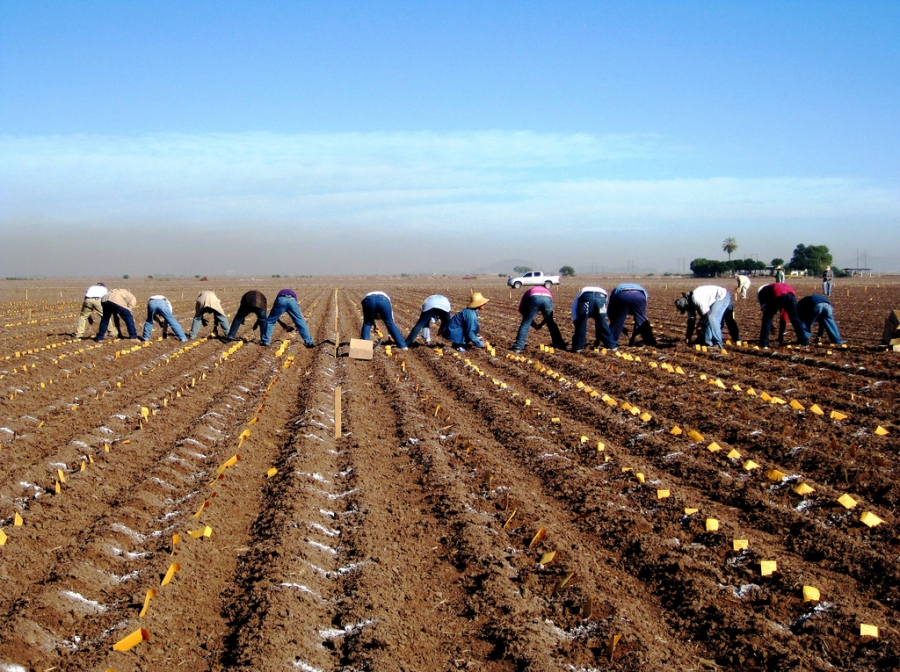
column 208, row 302
column 91, row 304
column 591, row 302
column 463, row 327
column 817, row 308
column 827, row 281
column 775, row 297
column 715, row 307
column 252, row 302
column 779, row 274
column 159, row 308
column 435, row 307
column 118, row 302
column 535, row 300
column 743, row 284
column 629, row 298
column 286, row 302
column 377, row 305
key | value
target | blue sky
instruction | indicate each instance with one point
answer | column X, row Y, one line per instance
column 260, row 138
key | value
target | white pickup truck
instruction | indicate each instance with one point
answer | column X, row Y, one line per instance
column 533, row 278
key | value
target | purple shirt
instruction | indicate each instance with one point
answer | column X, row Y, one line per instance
column 288, row 292
column 540, row 289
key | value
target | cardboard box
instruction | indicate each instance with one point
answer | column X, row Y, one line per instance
column 892, row 329
column 360, row 349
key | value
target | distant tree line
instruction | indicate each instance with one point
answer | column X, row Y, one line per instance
column 711, row 268
column 810, row 258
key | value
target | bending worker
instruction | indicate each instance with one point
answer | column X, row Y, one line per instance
column 435, row 307
column 91, row 304
column 535, row 300
column 629, row 298
column 463, row 327
column 775, row 297
column 159, row 308
column 208, row 302
column 286, row 302
column 591, row 302
column 377, row 306
column 743, row 284
column 252, row 302
column 118, row 302
column 813, row 309
column 715, row 307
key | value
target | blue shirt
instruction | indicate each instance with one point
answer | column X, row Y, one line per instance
column 463, row 328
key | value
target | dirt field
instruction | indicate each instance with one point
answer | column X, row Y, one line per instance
column 411, row 541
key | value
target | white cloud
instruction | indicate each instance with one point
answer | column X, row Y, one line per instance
column 507, row 188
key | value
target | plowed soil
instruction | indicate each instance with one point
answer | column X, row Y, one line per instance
column 472, row 511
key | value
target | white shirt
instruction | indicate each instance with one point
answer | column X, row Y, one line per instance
column 436, row 301
column 96, row 292
column 743, row 281
column 706, row 295
column 583, row 290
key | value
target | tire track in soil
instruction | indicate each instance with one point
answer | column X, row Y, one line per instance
column 649, row 560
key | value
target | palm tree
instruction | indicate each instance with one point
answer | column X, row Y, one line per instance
column 730, row 245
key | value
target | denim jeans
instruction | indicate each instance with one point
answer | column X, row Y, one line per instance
column 289, row 305
column 242, row 314
column 591, row 304
column 221, row 322
column 379, row 307
column 543, row 304
column 721, row 312
column 111, row 309
column 827, row 287
column 633, row 302
column 159, row 308
column 424, row 320
column 823, row 313
column 787, row 303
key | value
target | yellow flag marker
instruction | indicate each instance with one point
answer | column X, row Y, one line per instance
column 271, row 472
column 132, row 640
column 554, row 420
column 816, row 410
column 675, row 431
column 541, row 533
column 690, row 511
column 3, row 538
column 870, row 519
column 835, row 415
column 796, row 405
column 881, row 431
column 600, row 446
column 750, row 465
column 151, row 593
column 640, row 477
column 733, row 454
column 528, row 402
column 83, row 465
column 703, row 376
column 766, row 567
column 204, row 505
column 811, row 594
column 634, row 410
column 868, row 630
column 714, row 447
column 712, row 525
column 58, row 488
column 740, row 544
column 62, row 476
column 106, row 447
column 804, row 489
column 547, row 558
column 736, row 388
column 626, row 406
column 170, row 573
column 145, row 413
column 646, row 417
column 205, row 532
column 176, row 538
column 775, row 475
column 679, row 370
column 695, row 435
column 751, row 392
column 17, row 520
column 230, row 462
column 846, row 501
column 662, row 494
column 511, row 516
column 584, row 439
